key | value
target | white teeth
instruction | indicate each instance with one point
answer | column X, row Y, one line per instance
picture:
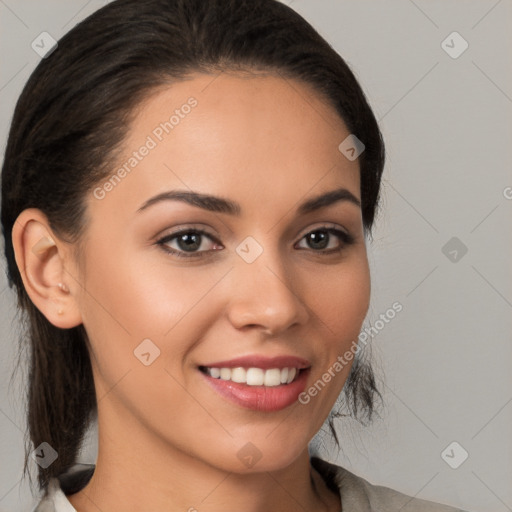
column 215, row 372
column 272, row 377
column 238, row 375
column 254, row 376
column 225, row 373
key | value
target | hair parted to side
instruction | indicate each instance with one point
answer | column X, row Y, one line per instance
column 72, row 116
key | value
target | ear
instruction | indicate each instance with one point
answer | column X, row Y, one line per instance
column 41, row 258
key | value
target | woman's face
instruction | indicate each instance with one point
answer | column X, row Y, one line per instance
column 269, row 278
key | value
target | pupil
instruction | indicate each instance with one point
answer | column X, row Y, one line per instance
column 189, row 242
column 319, row 239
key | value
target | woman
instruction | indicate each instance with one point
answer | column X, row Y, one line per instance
column 187, row 191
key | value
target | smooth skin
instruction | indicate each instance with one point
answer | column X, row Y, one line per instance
column 167, row 440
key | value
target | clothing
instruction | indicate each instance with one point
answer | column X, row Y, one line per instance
column 356, row 493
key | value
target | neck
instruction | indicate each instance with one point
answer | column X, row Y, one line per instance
column 151, row 475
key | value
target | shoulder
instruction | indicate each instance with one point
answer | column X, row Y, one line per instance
column 68, row 483
column 357, row 494
column 54, row 500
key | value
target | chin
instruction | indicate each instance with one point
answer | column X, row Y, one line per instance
column 259, row 455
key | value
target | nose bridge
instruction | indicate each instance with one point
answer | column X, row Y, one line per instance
column 266, row 295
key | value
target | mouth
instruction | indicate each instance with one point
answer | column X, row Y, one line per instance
column 258, row 383
column 254, row 376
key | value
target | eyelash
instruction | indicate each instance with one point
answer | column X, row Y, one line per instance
column 346, row 240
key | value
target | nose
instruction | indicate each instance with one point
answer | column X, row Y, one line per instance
column 266, row 295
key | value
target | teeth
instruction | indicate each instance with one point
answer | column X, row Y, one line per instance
column 254, row 376
column 272, row 377
column 238, row 375
column 225, row 373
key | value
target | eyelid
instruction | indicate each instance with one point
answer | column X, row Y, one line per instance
column 200, row 229
column 163, row 240
column 186, row 228
column 344, row 236
column 323, row 225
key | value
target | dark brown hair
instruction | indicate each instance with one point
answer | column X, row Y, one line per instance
column 75, row 111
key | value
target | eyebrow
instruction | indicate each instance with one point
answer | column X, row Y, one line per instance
column 221, row 205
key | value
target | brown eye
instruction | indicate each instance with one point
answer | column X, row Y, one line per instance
column 187, row 242
column 322, row 238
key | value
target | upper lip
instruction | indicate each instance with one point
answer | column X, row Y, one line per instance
column 263, row 362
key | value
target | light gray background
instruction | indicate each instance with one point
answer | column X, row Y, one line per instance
column 446, row 359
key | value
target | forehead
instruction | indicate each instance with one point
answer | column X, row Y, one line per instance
column 244, row 135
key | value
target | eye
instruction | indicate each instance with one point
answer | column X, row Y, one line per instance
column 187, row 243
column 192, row 242
column 321, row 239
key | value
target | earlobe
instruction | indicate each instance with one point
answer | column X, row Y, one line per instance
column 41, row 257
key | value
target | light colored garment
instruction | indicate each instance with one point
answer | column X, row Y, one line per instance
column 356, row 493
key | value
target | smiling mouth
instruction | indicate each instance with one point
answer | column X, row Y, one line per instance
column 254, row 376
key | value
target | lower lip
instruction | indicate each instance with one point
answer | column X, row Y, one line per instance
column 260, row 398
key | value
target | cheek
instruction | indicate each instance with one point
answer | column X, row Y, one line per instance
column 341, row 298
column 340, row 301
column 129, row 300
